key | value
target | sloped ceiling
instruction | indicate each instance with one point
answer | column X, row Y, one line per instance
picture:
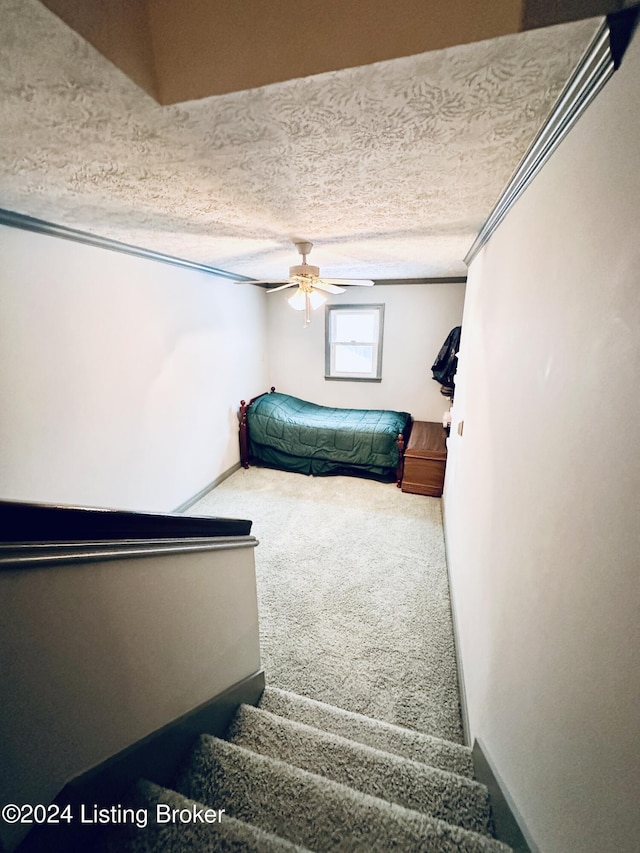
column 390, row 168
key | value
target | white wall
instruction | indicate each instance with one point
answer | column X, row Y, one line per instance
column 95, row 656
column 542, row 497
column 417, row 320
column 120, row 377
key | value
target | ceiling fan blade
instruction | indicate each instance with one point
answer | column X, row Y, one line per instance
column 363, row 282
column 323, row 284
column 262, row 281
column 282, row 286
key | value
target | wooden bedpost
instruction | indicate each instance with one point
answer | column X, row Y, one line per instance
column 244, row 438
column 244, row 427
column 400, row 468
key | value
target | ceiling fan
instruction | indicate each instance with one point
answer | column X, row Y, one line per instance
column 306, row 278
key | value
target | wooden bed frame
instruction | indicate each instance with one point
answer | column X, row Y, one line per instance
column 402, row 439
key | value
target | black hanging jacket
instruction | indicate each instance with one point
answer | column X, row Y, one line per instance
column 444, row 367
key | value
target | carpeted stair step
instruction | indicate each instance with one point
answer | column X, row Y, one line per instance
column 409, row 783
column 313, row 811
column 229, row 835
column 453, row 757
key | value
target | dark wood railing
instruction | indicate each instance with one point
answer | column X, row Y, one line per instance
column 33, row 522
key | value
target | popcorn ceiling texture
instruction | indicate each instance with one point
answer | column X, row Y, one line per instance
column 389, row 168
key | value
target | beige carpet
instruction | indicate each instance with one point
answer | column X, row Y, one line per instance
column 352, row 592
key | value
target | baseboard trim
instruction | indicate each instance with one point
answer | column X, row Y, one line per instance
column 462, row 692
column 204, row 492
column 156, row 757
column 509, row 824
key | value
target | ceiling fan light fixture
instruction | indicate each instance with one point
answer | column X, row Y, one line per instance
column 297, row 301
column 310, row 287
column 317, row 299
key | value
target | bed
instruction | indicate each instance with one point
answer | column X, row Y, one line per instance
column 286, row 432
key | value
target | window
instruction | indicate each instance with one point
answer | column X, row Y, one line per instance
column 353, row 342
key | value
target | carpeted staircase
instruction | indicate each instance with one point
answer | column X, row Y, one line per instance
column 296, row 775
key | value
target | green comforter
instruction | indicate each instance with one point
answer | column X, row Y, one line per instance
column 300, row 436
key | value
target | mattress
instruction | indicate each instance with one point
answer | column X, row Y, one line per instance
column 301, row 436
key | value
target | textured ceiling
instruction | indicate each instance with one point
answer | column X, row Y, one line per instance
column 390, row 169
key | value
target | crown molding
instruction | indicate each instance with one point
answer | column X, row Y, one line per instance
column 594, row 70
column 444, row 279
column 51, row 229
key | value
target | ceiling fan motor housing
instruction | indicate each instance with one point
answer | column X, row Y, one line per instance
column 304, row 270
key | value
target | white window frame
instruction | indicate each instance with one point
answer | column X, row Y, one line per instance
column 331, row 312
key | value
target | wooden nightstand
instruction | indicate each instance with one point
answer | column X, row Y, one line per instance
column 425, row 459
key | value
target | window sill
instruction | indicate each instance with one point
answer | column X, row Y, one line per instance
column 353, row 378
